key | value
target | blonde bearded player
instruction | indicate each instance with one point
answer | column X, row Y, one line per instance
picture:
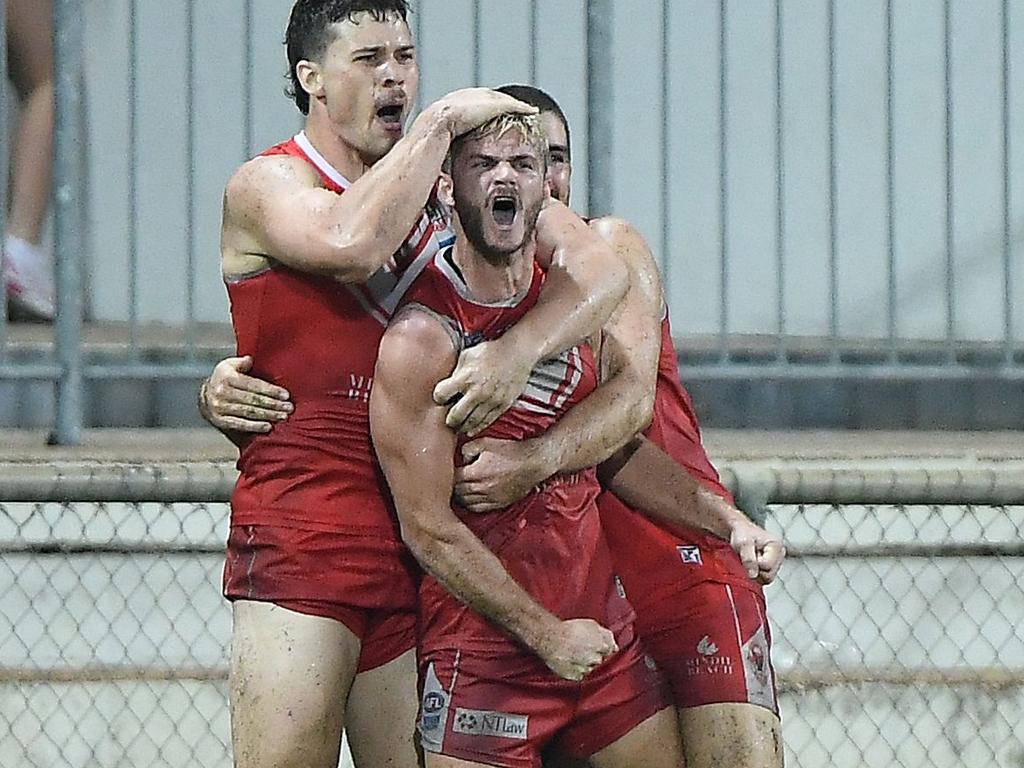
column 321, row 234
column 501, row 588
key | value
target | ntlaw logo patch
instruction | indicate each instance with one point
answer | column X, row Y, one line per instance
column 481, row 722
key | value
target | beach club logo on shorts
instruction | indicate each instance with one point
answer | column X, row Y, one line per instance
column 706, row 647
column 707, row 661
column 482, row 722
column 690, row 555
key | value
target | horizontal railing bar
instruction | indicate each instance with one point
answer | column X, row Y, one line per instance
column 149, row 371
column 980, row 486
column 849, row 371
column 938, row 550
column 988, row 677
column 790, row 680
column 29, row 372
column 212, row 482
column 114, row 547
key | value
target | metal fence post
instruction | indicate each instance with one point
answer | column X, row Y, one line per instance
column 68, row 230
column 600, row 106
column 5, row 149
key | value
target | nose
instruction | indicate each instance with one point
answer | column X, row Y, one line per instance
column 504, row 173
column 393, row 72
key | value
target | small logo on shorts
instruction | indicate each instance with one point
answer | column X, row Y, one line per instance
column 619, row 588
column 690, row 555
column 482, row 722
column 433, row 711
column 706, row 648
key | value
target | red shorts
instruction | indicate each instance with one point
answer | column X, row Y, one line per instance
column 505, row 710
column 714, row 645
column 368, row 583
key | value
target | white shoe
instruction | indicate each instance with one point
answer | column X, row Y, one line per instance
column 29, row 283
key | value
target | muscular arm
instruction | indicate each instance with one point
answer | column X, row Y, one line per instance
column 275, row 208
column 648, row 479
column 605, row 420
column 585, row 283
column 416, row 452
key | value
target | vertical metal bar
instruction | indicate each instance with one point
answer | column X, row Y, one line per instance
column 890, row 187
column 417, row 20
column 666, row 155
column 5, row 151
column 68, row 219
column 247, row 83
column 190, row 185
column 947, row 63
column 600, row 104
column 723, row 187
column 133, row 181
column 534, row 21
column 780, row 193
column 477, row 53
column 1007, row 243
column 833, row 194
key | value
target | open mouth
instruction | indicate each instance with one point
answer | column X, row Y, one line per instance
column 503, row 209
column 390, row 115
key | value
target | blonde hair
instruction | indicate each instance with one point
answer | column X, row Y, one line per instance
column 527, row 126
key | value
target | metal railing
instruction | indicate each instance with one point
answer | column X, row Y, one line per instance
column 897, row 621
column 729, row 344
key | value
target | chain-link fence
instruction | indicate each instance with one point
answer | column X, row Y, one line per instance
column 899, row 629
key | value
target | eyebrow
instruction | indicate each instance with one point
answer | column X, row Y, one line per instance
column 485, row 156
column 378, row 48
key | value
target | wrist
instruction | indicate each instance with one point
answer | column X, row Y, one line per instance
column 544, row 457
column 437, row 120
column 202, row 401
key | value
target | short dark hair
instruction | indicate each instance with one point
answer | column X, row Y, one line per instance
column 543, row 101
column 309, row 32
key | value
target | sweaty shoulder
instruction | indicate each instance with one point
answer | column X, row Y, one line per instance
column 417, row 349
column 632, row 251
column 556, row 225
column 250, row 196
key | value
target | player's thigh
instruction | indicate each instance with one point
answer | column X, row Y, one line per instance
column 290, row 675
column 443, row 761
column 737, row 735
column 381, row 715
column 652, row 744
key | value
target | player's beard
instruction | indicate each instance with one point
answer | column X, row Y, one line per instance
column 471, row 217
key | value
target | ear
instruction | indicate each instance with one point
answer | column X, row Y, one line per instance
column 445, row 190
column 310, row 77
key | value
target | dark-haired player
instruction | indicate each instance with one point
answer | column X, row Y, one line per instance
column 694, row 572
column 321, row 235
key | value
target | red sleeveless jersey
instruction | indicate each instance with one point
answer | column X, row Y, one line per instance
column 653, row 561
column 318, row 338
column 550, row 542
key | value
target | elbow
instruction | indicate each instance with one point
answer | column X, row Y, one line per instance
column 424, row 541
column 353, row 265
column 643, row 413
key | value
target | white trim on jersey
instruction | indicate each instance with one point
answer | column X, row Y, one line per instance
column 320, row 161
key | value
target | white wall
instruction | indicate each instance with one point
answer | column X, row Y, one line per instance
column 691, row 261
